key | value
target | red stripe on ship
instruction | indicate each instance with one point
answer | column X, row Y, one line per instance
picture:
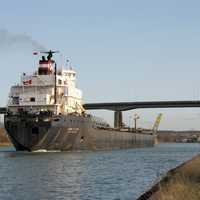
column 28, row 82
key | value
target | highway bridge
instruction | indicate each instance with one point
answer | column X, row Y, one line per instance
column 124, row 106
column 118, row 107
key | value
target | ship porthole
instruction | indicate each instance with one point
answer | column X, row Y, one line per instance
column 82, row 139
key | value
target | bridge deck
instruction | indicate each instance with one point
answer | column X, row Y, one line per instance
column 123, row 106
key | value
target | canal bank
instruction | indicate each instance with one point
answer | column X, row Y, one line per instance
column 4, row 140
column 180, row 183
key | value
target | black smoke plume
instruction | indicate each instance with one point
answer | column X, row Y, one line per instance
column 9, row 40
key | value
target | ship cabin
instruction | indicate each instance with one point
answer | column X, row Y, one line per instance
column 48, row 89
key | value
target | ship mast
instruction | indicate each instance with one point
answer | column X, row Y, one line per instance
column 55, row 86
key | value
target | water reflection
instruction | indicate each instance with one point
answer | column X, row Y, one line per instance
column 108, row 175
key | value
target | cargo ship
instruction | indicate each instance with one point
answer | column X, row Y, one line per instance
column 45, row 112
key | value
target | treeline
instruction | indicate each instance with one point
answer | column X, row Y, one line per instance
column 174, row 136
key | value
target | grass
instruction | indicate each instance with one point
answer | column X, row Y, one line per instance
column 182, row 183
column 180, row 189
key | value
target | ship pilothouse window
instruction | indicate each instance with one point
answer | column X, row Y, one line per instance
column 59, row 82
column 32, row 99
column 15, row 100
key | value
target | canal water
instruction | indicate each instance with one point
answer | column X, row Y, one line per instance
column 107, row 175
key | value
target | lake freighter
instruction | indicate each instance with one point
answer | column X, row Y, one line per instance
column 45, row 112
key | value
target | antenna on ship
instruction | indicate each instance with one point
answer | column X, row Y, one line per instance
column 67, row 63
column 50, row 53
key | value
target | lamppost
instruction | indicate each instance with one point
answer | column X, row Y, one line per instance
column 129, row 123
column 135, row 118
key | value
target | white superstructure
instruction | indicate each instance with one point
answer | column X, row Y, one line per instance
column 45, row 91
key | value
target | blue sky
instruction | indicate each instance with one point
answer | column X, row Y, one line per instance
column 122, row 50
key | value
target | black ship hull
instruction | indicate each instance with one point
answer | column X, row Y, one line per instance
column 67, row 133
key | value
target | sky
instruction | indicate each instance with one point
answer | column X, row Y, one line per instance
column 122, row 51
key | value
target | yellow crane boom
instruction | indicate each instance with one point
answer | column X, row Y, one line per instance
column 156, row 124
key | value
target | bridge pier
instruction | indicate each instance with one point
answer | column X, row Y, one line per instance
column 118, row 119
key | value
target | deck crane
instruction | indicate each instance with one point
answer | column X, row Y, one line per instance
column 156, row 124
